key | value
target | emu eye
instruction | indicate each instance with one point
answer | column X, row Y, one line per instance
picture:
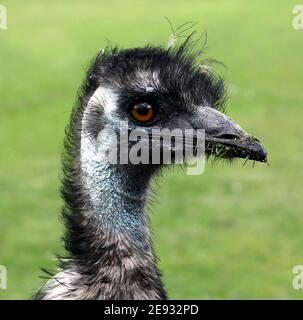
column 143, row 112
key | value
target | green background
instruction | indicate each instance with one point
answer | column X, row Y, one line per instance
column 233, row 232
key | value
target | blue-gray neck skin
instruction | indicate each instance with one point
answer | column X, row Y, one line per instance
column 118, row 197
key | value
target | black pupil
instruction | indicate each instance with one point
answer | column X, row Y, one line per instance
column 143, row 108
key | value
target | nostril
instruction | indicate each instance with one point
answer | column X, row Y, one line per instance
column 228, row 136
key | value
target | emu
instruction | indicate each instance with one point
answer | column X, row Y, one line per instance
column 110, row 253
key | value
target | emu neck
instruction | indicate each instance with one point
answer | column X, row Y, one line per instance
column 109, row 237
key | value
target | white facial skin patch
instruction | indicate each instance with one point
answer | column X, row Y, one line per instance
column 106, row 99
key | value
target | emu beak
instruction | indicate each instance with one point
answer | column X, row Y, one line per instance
column 225, row 138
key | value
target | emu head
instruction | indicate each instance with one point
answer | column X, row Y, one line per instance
column 156, row 88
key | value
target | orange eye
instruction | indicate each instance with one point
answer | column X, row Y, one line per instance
column 143, row 112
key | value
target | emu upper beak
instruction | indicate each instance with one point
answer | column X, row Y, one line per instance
column 220, row 130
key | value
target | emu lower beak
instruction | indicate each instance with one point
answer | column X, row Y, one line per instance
column 221, row 131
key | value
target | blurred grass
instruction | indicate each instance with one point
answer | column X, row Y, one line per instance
column 234, row 232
